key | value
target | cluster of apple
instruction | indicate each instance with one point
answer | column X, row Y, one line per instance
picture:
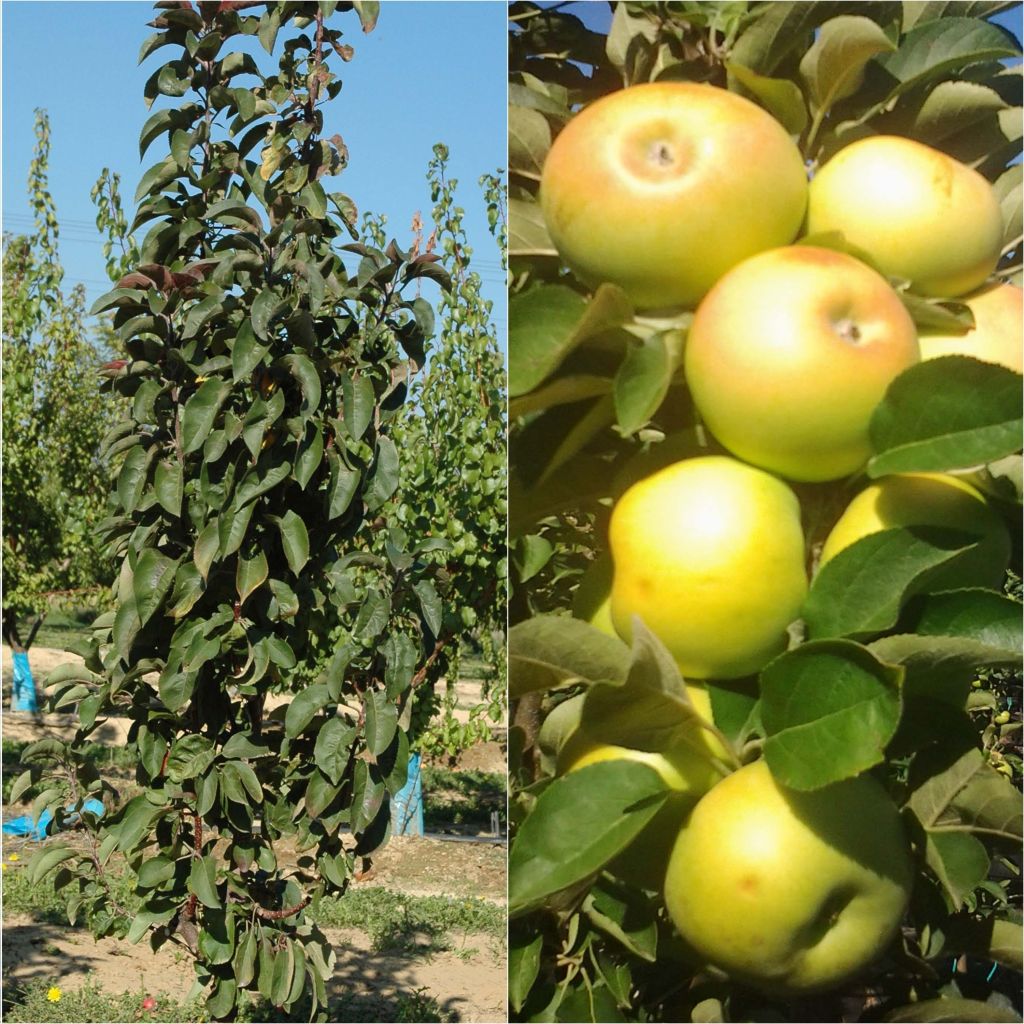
column 691, row 197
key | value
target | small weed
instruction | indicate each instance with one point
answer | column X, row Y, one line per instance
column 35, row 1002
column 419, row 1006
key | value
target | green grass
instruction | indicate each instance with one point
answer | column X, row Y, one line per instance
column 393, row 920
column 461, row 797
column 59, row 629
column 92, row 1005
column 396, row 920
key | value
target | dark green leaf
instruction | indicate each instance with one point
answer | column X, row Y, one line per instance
column 578, row 824
column 828, row 709
column 948, row 413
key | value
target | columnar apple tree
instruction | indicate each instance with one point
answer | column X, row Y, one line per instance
column 901, row 668
column 264, row 377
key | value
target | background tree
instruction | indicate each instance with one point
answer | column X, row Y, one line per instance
column 55, row 483
column 254, row 475
column 598, row 400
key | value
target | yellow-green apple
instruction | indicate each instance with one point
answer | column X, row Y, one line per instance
column 998, row 332
column 661, row 188
column 927, row 499
column 790, row 353
column 709, row 553
column 918, row 213
column 790, row 891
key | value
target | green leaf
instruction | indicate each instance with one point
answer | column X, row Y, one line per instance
column 629, row 918
column 367, row 796
column 302, row 369
column 268, row 304
column 358, row 400
column 1009, row 189
column 528, row 234
column 369, row 12
column 548, row 651
column 295, row 540
column 381, row 722
column 207, row 546
column 959, row 861
column 644, row 377
column 310, row 455
column 828, row 709
column 430, row 605
column 936, row 47
column 560, row 391
column 952, row 108
column 232, row 527
column 334, row 748
column 250, row 575
column 548, row 322
column 167, row 481
column 833, row 68
column 247, row 352
column 158, row 177
column 153, row 578
column 943, row 414
column 779, row 96
column 131, row 480
column 344, row 482
column 200, row 412
column 579, row 823
column 862, row 589
column 529, row 139
column 964, row 1011
column 240, row 745
column 523, row 967
column 953, row 788
column 155, row 870
column 384, row 481
column 987, row 617
column 264, row 477
column 134, row 822
column 303, row 707
column 270, row 24
column 46, row 860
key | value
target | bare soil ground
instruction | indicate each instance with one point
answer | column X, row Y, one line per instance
column 469, row 981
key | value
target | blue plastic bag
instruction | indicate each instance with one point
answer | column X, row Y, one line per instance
column 26, row 828
column 407, row 819
column 23, row 691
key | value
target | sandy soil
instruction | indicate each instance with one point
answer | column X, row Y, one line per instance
column 469, row 982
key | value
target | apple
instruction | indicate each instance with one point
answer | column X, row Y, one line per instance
column 709, row 553
column 790, row 353
column 661, row 188
column 918, row 213
column 998, row 326
column 927, row 499
column 790, row 891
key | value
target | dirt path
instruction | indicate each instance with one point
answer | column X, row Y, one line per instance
column 468, row 983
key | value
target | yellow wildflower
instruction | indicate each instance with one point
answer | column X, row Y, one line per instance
column 14, row 856
column 53, row 994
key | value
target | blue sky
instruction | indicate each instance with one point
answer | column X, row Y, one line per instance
column 430, row 72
